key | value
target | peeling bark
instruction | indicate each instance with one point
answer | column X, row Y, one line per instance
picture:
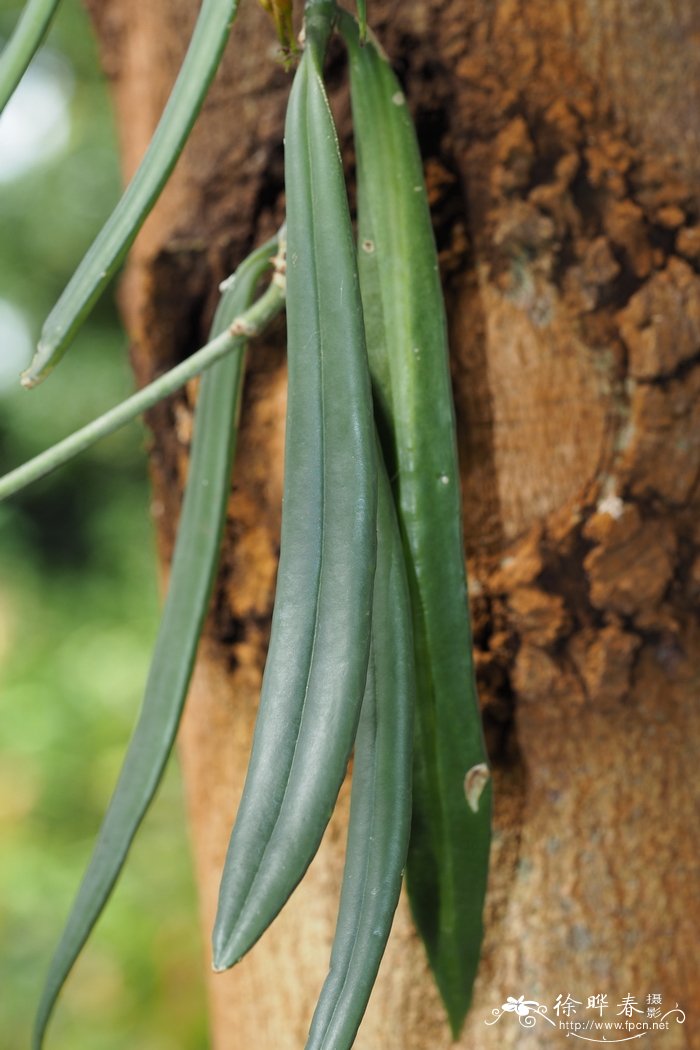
column 561, row 144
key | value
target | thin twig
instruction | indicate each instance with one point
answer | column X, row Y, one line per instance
column 250, row 323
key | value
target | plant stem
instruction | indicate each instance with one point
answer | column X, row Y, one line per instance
column 250, row 323
column 23, row 45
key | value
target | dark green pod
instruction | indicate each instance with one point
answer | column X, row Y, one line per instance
column 407, row 344
column 191, row 578
column 380, row 809
column 319, row 647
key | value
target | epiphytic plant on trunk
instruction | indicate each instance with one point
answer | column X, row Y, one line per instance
column 370, row 645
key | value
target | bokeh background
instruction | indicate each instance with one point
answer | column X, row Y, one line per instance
column 78, row 601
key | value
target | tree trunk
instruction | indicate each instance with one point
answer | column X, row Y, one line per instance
column 560, row 140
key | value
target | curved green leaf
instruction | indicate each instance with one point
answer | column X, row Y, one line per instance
column 191, row 578
column 112, row 243
column 20, row 49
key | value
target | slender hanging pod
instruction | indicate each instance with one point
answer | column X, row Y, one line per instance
column 407, row 345
column 191, row 579
column 317, row 662
column 380, row 808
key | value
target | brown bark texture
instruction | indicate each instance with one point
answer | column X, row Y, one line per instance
column 560, row 140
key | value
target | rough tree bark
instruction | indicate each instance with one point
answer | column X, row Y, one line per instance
column 561, row 145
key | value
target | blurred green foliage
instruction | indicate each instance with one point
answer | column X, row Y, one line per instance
column 78, row 612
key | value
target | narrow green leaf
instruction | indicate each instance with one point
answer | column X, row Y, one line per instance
column 319, row 647
column 191, row 578
column 111, row 244
column 380, row 810
column 20, row 49
column 407, row 343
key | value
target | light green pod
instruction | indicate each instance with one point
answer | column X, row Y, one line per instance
column 116, row 236
column 191, row 577
column 407, row 344
column 20, row 49
column 380, row 808
column 316, row 668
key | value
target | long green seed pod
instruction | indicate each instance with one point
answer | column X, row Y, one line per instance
column 192, row 574
column 316, row 668
column 380, row 809
column 116, row 236
column 407, row 343
column 23, row 44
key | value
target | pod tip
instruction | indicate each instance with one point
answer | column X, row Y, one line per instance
column 225, row 956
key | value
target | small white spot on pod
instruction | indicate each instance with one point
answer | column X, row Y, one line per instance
column 368, row 246
column 399, row 98
column 444, row 479
column 417, row 189
column 474, row 783
column 416, row 350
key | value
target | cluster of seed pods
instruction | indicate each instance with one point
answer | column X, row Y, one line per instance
column 370, row 645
